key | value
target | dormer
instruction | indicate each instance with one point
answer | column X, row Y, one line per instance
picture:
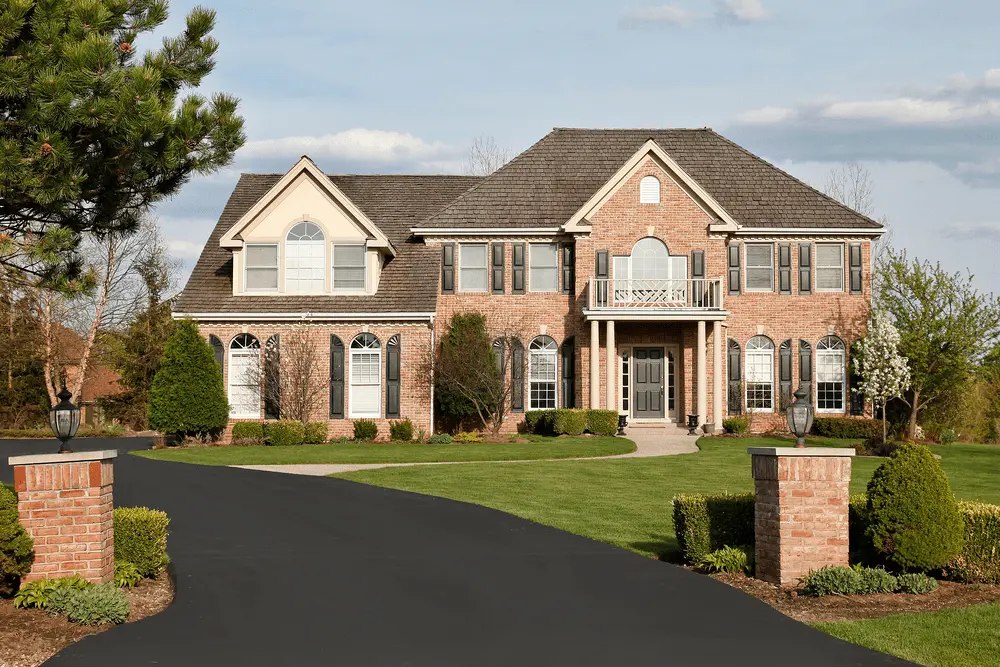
column 306, row 237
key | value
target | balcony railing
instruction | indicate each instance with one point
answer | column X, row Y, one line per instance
column 613, row 293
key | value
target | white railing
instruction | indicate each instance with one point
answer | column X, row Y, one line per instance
column 612, row 293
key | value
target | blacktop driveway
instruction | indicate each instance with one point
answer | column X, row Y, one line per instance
column 286, row 570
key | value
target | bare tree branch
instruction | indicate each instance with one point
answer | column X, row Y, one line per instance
column 485, row 156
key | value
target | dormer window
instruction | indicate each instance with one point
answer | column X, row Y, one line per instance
column 349, row 268
column 261, row 268
column 649, row 190
column 305, row 259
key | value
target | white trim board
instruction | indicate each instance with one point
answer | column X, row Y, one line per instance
column 293, row 317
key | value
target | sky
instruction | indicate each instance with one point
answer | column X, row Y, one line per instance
column 908, row 88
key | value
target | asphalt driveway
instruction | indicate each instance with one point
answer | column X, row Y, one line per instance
column 277, row 569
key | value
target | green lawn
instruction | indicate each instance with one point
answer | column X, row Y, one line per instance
column 539, row 448
column 968, row 637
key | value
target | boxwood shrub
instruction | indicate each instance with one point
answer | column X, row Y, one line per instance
column 568, row 421
column 602, row 422
column 539, row 422
column 859, row 428
column 401, row 431
column 16, row 546
column 141, row 538
column 248, row 433
column 315, row 433
column 708, row 523
column 736, row 425
column 365, row 430
column 979, row 561
column 285, row 433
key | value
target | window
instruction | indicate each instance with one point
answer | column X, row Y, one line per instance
column 366, row 379
column 760, row 374
column 649, row 190
column 543, row 267
column 349, row 268
column 472, row 271
column 261, row 268
column 626, row 385
column 244, row 377
column 650, row 274
column 830, row 267
column 542, row 374
column 830, row 365
column 305, row 259
column 760, row 267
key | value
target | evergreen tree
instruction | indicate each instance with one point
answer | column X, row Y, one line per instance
column 92, row 133
column 187, row 396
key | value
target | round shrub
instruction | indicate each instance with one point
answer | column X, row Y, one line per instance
column 248, row 433
column 315, row 433
column 98, row 605
column 566, row 421
column 948, row 436
column 439, row 439
column 365, row 430
column 285, row 433
column 736, row 425
column 602, row 422
column 913, row 517
column 16, row 546
column 401, row 431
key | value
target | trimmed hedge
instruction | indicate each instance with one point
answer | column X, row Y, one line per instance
column 16, row 546
column 568, row 421
column 285, row 433
column 401, row 431
column 539, row 422
column 365, row 430
column 860, row 428
column 141, row 538
column 248, row 433
column 602, row 422
column 708, row 523
column 315, row 433
column 979, row 561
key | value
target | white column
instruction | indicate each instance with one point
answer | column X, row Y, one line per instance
column 611, row 380
column 702, row 388
column 717, row 372
column 595, row 365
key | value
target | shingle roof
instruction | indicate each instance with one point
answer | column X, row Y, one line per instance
column 394, row 203
column 548, row 183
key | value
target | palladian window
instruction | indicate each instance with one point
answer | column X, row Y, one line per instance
column 305, row 259
column 650, row 274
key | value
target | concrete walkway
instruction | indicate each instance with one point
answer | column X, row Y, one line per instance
column 649, row 441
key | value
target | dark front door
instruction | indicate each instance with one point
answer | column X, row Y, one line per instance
column 648, row 391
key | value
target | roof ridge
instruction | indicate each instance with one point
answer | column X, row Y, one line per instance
column 635, row 129
column 280, row 174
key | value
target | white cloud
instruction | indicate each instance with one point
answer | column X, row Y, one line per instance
column 741, row 11
column 184, row 249
column 765, row 115
column 672, row 14
column 989, row 231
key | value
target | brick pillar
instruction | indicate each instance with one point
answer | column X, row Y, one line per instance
column 64, row 502
column 801, row 510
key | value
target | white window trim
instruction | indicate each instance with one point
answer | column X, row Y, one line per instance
column 843, row 267
column 229, row 382
column 746, row 382
column 333, row 268
column 747, row 267
column 486, row 268
column 555, row 383
column 350, row 385
column 277, row 267
column 530, row 281
column 842, row 354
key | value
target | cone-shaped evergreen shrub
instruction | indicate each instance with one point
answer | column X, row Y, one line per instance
column 913, row 517
column 16, row 546
column 187, row 396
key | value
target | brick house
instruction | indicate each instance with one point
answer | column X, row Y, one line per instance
column 659, row 273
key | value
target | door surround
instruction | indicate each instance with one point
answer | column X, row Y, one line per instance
column 670, row 350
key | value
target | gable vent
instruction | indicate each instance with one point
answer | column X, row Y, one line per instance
column 649, row 190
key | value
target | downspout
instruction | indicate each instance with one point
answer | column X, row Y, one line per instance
column 433, row 340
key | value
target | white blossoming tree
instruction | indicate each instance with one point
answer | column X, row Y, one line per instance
column 884, row 372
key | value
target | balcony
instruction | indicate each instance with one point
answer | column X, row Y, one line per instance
column 661, row 295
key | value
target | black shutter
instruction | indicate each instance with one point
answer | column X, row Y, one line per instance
column 857, row 398
column 785, row 268
column 497, row 268
column 734, row 268
column 517, row 377
column 567, row 254
column 735, row 406
column 806, row 368
column 601, row 272
column 805, row 268
column 699, row 290
column 448, row 268
column 785, row 373
column 517, row 264
column 272, row 378
column 569, row 373
column 217, row 349
column 336, row 378
column 392, row 382
column 855, row 249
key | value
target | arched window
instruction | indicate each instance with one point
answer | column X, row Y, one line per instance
column 244, row 377
column 305, row 259
column 649, row 190
column 760, row 374
column 365, row 399
column 542, row 373
column 830, row 371
column 650, row 274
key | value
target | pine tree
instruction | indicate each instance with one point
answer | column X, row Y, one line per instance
column 92, row 133
column 187, row 396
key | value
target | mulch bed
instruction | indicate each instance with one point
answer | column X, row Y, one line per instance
column 29, row 637
column 850, row 607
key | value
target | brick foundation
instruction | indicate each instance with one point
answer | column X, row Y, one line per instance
column 801, row 512
column 64, row 501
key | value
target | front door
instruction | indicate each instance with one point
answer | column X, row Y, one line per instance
column 648, row 392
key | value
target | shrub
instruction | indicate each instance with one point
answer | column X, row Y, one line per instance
column 401, row 431
column 568, row 421
column 979, row 561
column 861, row 547
column 98, row 605
column 539, row 422
column 860, row 428
column 186, row 396
column 248, row 433
column 468, row 436
column 365, row 430
column 141, row 538
column 913, row 516
column 127, row 575
column 915, row 583
column 727, row 559
column 602, row 422
column 49, row 593
column 875, row 447
column 285, row 433
column 16, row 546
column 439, row 439
column 707, row 523
column 948, row 436
column 315, row 433
column 832, row 580
column 873, row 580
column 737, row 425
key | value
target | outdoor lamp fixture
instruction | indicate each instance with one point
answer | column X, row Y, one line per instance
column 800, row 416
column 64, row 419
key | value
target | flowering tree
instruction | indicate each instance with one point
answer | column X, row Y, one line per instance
column 884, row 372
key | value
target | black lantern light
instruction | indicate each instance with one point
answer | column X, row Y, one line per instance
column 64, row 419
column 800, row 416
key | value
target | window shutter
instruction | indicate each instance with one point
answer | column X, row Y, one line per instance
column 806, row 368
column 785, row 268
column 448, row 268
column 272, row 378
column 734, row 269
column 217, row 349
column 785, row 373
column 336, row 378
column 855, row 249
column 392, row 381
column 517, row 263
column 699, row 291
column 497, row 268
column 735, row 406
column 517, row 377
column 568, row 268
column 568, row 393
column 602, row 271
column 805, row 268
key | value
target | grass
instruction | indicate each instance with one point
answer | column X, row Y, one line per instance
column 968, row 637
column 394, row 452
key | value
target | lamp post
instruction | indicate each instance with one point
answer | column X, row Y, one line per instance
column 800, row 416
column 64, row 419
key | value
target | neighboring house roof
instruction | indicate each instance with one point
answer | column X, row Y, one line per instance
column 548, row 183
column 100, row 380
column 408, row 282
